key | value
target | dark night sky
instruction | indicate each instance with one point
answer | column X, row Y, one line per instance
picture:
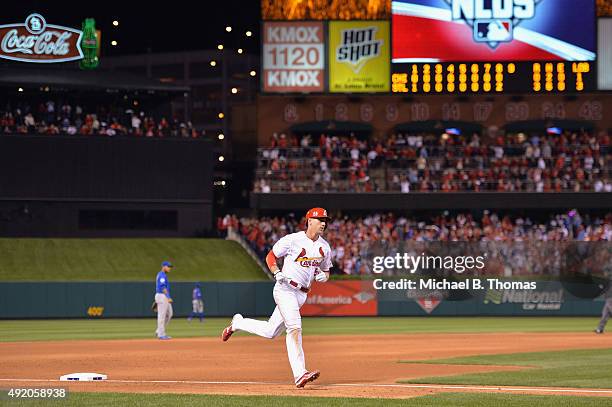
column 163, row 27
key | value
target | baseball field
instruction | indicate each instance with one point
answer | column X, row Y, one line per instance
column 418, row 361
column 363, row 361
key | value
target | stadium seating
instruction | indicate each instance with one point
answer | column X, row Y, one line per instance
column 350, row 237
column 572, row 161
column 53, row 118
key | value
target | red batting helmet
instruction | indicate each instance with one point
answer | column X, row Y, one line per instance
column 318, row 213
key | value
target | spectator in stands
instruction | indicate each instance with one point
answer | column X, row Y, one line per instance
column 352, row 238
column 573, row 161
column 54, row 117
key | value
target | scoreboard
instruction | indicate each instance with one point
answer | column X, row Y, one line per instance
column 494, row 77
column 493, row 46
column 439, row 47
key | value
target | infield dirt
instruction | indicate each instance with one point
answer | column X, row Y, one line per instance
column 351, row 366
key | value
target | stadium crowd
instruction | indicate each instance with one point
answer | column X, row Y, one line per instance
column 352, row 238
column 55, row 118
column 571, row 161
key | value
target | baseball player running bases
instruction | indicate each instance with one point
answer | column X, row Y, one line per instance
column 307, row 258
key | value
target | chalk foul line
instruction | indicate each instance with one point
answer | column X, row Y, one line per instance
column 360, row 385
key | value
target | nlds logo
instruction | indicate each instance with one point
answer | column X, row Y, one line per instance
column 357, row 46
column 493, row 21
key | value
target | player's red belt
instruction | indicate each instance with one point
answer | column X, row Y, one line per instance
column 299, row 286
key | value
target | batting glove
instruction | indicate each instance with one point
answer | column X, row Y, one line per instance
column 280, row 277
column 321, row 276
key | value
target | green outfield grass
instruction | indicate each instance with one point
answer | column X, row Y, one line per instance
column 124, row 260
column 440, row 400
column 42, row 330
column 574, row 368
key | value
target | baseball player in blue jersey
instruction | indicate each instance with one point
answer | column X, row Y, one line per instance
column 163, row 300
column 606, row 312
column 197, row 303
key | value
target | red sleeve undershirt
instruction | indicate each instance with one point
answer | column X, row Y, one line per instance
column 271, row 260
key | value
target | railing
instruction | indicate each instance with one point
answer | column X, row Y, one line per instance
column 236, row 237
column 434, row 150
column 302, row 172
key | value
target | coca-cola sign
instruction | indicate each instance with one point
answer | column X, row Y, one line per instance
column 37, row 41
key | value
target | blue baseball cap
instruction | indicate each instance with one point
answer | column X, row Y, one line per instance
column 167, row 264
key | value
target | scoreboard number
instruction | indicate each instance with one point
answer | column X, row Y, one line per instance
column 493, row 77
column 366, row 112
column 482, row 111
column 517, row 111
column 319, row 112
column 420, row 112
column 451, row 111
column 291, row 113
column 342, row 112
column 591, row 110
column 553, row 110
column 391, row 112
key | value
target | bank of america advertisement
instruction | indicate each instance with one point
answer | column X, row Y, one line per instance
column 359, row 56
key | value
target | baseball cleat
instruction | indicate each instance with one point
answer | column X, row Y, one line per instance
column 598, row 331
column 306, row 378
column 229, row 330
column 165, row 337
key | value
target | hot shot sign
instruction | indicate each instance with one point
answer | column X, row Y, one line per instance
column 293, row 57
column 359, row 53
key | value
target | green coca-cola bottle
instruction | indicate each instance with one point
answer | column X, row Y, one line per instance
column 89, row 45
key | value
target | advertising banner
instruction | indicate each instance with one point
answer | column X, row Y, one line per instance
column 340, row 298
column 359, row 56
column 494, row 30
column 36, row 41
column 604, row 54
column 293, row 57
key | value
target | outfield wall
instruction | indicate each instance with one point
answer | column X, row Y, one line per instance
column 133, row 299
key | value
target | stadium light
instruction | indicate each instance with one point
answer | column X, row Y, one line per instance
column 220, row 47
column 240, row 50
column 19, row 89
column 234, row 90
column 248, row 33
column 252, row 73
column 221, row 136
column 221, row 115
column 116, row 23
column 114, row 43
column 223, row 183
column 221, row 158
column 213, row 63
column 228, row 29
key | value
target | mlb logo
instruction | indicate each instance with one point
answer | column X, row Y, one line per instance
column 493, row 31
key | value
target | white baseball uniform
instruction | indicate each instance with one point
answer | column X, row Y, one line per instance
column 303, row 257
